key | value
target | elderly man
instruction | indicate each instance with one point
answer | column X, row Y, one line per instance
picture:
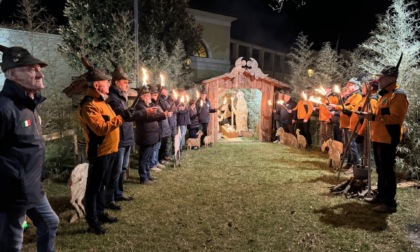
column 118, row 100
column 101, row 130
column 22, row 151
column 386, row 133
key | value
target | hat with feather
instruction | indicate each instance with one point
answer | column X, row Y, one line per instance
column 93, row 73
column 119, row 73
column 391, row 71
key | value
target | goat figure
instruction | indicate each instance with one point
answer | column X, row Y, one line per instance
column 300, row 139
column 195, row 142
column 77, row 183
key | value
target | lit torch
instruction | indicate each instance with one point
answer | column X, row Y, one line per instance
column 281, row 103
column 145, row 77
column 322, row 91
column 304, row 95
column 173, row 102
column 337, row 91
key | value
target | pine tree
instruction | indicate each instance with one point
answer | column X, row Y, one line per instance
column 398, row 32
column 299, row 60
column 328, row 69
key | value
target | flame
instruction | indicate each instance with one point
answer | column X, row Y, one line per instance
column 201, row 103
column 336, row 89
column 270, row 103
column 162, row 80
column 281, row 102
column 304, row 95
column 198, row 94
column 188, row 98
column 145, row 77
column 182, row 99
column 321, row 90
column 176, row 95
column 316, row 100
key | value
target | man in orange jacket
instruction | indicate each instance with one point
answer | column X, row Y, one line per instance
column 325, row 115
column 355, row 96
column 386, row 134
column 304, row 110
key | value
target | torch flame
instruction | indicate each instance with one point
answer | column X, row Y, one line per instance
column 201, row 103
column 176, row 95
column 145, row 77
column 162, row 80
column 270, row 103
column 198, row 94
column 281, row 102
column 321, row 90
column 182, row 99
column 304, row 95
column 336, row 89
column 316, row 100
column 188, row 98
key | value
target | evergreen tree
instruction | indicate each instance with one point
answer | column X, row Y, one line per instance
column 299, row 60
column 351, row 65
column 328, row 69
column 398, row 32
column 92, row 32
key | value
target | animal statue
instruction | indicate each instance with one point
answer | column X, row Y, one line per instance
column 195, row 142
column 333, row 147
column 334, row 158
column 286, row 138
column 177, row 151
column 301, row 139
column 77, row 183
column 332, row 144
column 208, row 139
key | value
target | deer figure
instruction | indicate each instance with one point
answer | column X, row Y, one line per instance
column 300, row 139
column 195, row 142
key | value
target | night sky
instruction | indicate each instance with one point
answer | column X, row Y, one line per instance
column 321, row 20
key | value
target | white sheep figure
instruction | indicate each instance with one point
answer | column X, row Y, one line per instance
column 195, row 142
column 177, row 152
column 77, row 183
column 300, row 139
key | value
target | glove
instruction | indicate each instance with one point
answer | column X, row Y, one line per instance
column 127, row 114
column 360, row 139
column 347, row 112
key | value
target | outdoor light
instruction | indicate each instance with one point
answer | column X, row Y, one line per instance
column 310, row 72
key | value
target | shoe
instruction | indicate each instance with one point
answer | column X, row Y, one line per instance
column 160, row 166
column 347, row 166
column 113, row 206
column 155, row 169
column 385, row 209
column 96, row 229
column 168, row 159
column 123, row 198
column 163, row 162
column 374, row 200
column 152, row 178
column 276, row 141
column 105, row 218
column 146, row 182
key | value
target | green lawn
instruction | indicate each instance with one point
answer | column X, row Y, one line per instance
column 241, row 196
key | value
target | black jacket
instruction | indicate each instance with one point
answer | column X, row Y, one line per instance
column 193, row 118
column 173, row 120
column 165, row 128
column 183, row 117
column 204, row 111
column 147, row 131
column 118, row 103
column 22, row 148
column 286, row 117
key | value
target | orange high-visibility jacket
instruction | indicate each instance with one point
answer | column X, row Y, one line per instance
column 304, row 109
column 373, row 104
column 349, row 104
column 100, row 125
column 324, row 113
column 387, row 126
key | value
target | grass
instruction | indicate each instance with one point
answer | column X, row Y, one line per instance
column 240, row 196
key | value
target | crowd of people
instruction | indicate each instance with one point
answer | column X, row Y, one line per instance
column 344, row 116
column 107, row 122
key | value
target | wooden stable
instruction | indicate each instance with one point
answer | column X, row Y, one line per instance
column 245, row 75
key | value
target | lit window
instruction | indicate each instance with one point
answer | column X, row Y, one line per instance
column 202, row 51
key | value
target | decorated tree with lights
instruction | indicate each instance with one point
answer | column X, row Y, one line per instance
column 398, row 32
column 299, row 60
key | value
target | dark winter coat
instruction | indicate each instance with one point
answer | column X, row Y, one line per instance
column 204, row 111
column 148, row 131
column 165, row 128
column 286, row 117
column 173, row 120
column 183, row 116
column 22, row 148
column 118, row 102
column 193, row 118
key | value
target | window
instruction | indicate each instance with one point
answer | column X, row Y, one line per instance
column 202, row 51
